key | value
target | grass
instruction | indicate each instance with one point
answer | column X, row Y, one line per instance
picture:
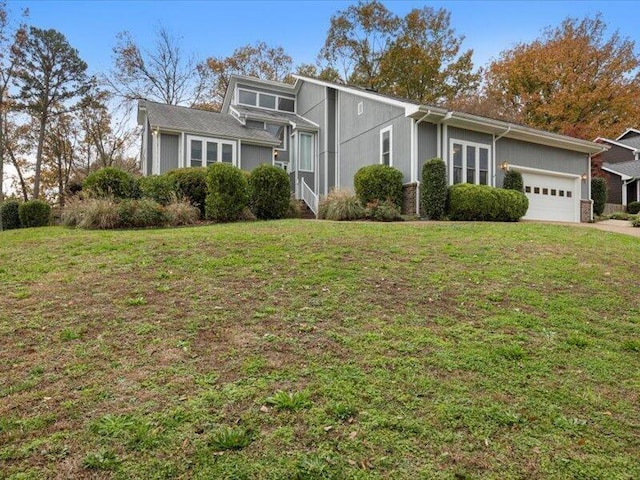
column 301, row 349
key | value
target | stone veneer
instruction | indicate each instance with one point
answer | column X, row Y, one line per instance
column 585, row 211
column 409, row 192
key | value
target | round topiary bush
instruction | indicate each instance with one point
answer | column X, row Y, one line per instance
column 483, row 203
column 598, row 194
column 9, row 214
column 158, row 188
column 378, row 182
column 269, row 192
column 190, row 183
column 434, row 191
column 34, row 213
column 111, row 182
column 633, row 208
column 513, row 181
column 227, row 193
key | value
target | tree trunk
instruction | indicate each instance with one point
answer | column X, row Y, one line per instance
column 23, row 185
column 2, row 124
column 61, row 192
column 36, row 176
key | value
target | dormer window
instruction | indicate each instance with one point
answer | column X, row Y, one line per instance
column 265, row 100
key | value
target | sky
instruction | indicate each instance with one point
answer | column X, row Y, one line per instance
column 216, row 28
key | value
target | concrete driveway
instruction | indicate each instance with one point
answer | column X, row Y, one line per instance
column 616, row 226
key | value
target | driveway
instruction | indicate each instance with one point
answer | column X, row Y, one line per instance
column 616, row 226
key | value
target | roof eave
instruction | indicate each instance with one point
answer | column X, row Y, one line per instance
column 253, row 141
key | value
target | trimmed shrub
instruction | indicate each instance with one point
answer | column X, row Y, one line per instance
column 9, row 214
column 598, row 194
column 434, row 191
column 181, row 212
column 111, row 182
column 340, row 205
column 635, row 222
column 513, row 181
column 484, row 203
column 158, row 188
column 269, row 192
column 633, row 208
column 227, row 193
column 141, row 213
column 378, row 182
column 190, row 183
column 34, row 213
column 382, row 212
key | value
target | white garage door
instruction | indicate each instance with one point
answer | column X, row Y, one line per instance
column 551, row 197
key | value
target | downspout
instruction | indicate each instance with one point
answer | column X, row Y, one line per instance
column 494, row 155
column 414, row 168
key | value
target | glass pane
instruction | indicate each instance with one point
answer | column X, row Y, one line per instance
column 484, row 159
column 306, row 152
column 568, row 193
column 457, row 155
column 471, row 164
column 212, row 152
column 277, row 131
column 196, row 153
column 457, row 174
column 247, row 98
column 286, row 104
column 385, row 159
column 227, row 153
column 267, row 101
column 484, row 177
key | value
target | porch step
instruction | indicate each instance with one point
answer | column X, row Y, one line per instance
column 305, row 211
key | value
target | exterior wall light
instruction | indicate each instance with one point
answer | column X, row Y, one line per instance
column 584, row 177
column 504, row 166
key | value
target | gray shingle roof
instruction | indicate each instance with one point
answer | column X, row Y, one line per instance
column 270, row 115
column 204, row 122
column 629, row 169
column 631, row 141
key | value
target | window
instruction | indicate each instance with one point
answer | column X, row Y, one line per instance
column 360, row 108
column 527, row 189
column 278, row 131
column 536, row 190
column 545, row 191
column 553, row 192
column 205, row 151
column 386, row 147
column 469, row 162
column 568, row 193
column 266, row 100
column 306, row 152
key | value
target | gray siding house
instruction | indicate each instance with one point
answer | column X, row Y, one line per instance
column 620, row 166
column 321, row 133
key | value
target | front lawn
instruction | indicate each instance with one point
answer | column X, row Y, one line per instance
column 307, row 349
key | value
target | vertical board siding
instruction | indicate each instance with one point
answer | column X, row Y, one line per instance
column 455, row 133
column 254, row 155
column 427, row 144
column 169, row 147
column 149, row 152
column 517, row 152
column 329, row 181
column 614, row 188
column 617, row 154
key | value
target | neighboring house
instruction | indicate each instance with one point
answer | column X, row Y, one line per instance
column 322, row 133
column 620, row 165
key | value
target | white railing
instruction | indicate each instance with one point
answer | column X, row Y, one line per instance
column 310, row 198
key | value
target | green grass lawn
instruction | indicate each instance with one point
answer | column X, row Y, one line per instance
column 307, row 349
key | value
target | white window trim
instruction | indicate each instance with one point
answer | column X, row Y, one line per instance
column 360, row 108
column 465, row 144
column 219, row 141
column 382, row 132
column 258, row 94
column 313, row 152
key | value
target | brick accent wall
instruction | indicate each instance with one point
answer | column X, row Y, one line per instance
column 409, row 192
column 585, row 211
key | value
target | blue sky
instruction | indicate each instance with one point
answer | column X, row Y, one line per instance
column 215, row 28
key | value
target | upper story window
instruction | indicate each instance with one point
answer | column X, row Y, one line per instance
column 266, row 100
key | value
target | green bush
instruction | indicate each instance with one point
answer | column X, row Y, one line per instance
column 340, row 205
column 484, row 203
column 635, row 222
column 227, row 193
column 433, row 191
column 513, row 181
column 34, row 213
column 9, row 215
column 269, row 192
column 159, row 188
column 190, row 183
column 111, row 182
column 382, row 212
column 141, row 214
column 378, row 182
column 598, row 194
column 181, row 212
column 633, row 208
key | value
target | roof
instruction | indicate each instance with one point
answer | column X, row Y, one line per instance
column 627, row 170
column 274, row 116
column 204, row 122
column 622, row 144
column 628, row 131
column 633, row 142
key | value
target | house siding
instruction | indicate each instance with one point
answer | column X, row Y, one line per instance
column 149, row 152
column 169, row 151
column 254, row 155
column 359, row 136
column 328, row 180
column 614, row 188
column 517, row 152
column 616, row 154
column 311, row 105
column 427, row 145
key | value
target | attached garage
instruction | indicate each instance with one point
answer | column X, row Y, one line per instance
column 552, row 196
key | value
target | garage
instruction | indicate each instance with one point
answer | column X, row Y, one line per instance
column 552, row 196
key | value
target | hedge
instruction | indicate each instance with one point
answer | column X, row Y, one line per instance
column 598, row 194
column 484, row 203
column 633, row 208
column 269, row 192
column 9, row 214
column 34, row 213
column 513, row 181
column 190, row 183
column 159, row 188
column 378, row 183
column 112, row 182
column 227, row 193
column 434, row 191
